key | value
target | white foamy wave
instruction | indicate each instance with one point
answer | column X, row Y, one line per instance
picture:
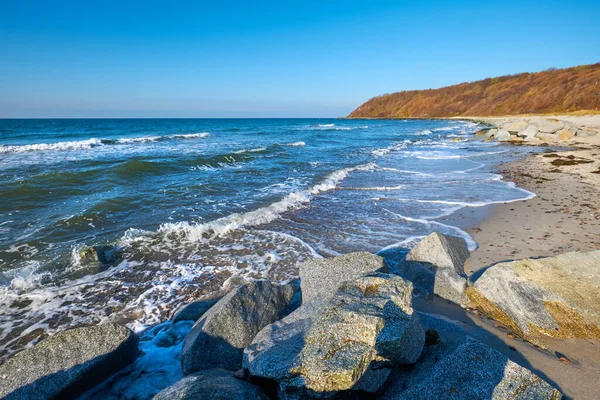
column 439, row 157
column 94, row 142
column 403, row 171
column 332, row 127
column 256, row 150
column 190, row 135
column 295, row 200
column 74, row 145
column 295, row 144
column 387, row 150
column 138, row 140
column 446, row 128
column 471, row 244
column 424, row 132
column 375, row 188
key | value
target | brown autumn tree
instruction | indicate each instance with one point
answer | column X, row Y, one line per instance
column 550, row 91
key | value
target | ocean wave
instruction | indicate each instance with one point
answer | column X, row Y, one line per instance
column 424, row 132
column 295, row 144
column 332, row 127
column 94, row 142
column 295, row 200
column 74, row 145
column 256, row 150
column 374, row 188
column 386, row 150
column 471, row 244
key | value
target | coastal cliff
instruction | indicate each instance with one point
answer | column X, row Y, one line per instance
column 551, row 91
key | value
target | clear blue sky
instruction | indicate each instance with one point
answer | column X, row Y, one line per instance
column 283, row 58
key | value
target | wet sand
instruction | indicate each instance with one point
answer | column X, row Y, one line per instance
column 564, row 216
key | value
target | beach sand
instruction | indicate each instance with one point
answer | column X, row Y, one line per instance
column 564, row 216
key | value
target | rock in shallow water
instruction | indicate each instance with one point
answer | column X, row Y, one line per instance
column 555, row 296
column 211, row 384
column 68, row 363
column 193, row 311
column 316, row 352
column 218, row 338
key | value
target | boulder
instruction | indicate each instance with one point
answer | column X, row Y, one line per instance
column 218, row 338
column 502, row 135
column 193, row 311
column 314, row 353
column 547, row 137
column 529, row 132
column 532, row 140
column 564, row 134
column 548, row 126
column 464, row 368
column 68, row 363
column 555, row 296
column 211, row 384
column 443, row 251
column 436, row 264
column 320, row 278
column 491, row 133
column 100, row 254
column 516, row 126
column 585, row 132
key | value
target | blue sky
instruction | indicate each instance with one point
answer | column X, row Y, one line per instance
column 283, row 58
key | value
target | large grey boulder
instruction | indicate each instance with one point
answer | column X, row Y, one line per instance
column 464, row 368
column 67, row 364
column 547, row 297
column 491, row 133
column 516, row 126
column 528, row 132
column 548, row 126
column 314, row 353
column 584, row 132
column 436, row 264
column 320, row 278
column 218, row 338
column 547, row 137
column 211, row 384
column 193, row 311
column 503, row 135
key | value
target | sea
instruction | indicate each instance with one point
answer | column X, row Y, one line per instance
column 123, row 220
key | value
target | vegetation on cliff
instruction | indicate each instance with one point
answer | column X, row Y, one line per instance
column 550, row 91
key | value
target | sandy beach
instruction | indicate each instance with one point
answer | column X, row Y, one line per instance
column 564, row 216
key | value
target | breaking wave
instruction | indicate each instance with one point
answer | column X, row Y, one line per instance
column 94, row 142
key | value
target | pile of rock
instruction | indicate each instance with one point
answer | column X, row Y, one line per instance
column 355, row 331
column 347, row 329
column 533, row 130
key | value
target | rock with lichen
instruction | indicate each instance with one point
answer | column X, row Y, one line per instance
column 464, row 368
column 68, row 363
column 218, row 338
column 316, row 352
column 547, row 297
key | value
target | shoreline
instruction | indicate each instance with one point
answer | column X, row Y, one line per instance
column 564, row 216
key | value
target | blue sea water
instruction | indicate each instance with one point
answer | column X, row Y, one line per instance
column 185, row 204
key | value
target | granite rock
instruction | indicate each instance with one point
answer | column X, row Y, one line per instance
column 218, row 338
column 68, row 363
column 320, row 278
column 211, row 384
column 554, row 296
